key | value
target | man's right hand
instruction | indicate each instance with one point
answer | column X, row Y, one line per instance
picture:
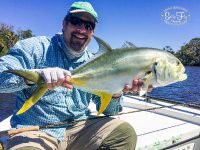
column 55, row 77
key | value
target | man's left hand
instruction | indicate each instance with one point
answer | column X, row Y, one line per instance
column 136, row 87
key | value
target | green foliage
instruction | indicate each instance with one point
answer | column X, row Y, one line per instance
column 3, row 47
column 169, row 49
column 190, row 53
column 8, row 37
column 24, row 34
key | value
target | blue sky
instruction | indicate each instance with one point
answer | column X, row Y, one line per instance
column 137, row 21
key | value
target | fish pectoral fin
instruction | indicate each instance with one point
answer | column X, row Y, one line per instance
column 146, row 82
column 77, row 82
column 105, row 100
column 37, row 94
column 26, row 74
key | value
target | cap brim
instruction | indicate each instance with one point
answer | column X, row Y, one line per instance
column 78, row 11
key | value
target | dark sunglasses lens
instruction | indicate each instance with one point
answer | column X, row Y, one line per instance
column 75, row 21
column 78, row 22
column 89, row 26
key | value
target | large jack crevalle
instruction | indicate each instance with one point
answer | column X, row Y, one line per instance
column 107, row 74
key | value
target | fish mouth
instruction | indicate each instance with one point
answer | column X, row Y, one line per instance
column 182, row 77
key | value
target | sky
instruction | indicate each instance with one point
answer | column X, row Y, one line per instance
column 141, row 22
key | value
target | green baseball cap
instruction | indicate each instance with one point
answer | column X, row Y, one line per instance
column 83, row 7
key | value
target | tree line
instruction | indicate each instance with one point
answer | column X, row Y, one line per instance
column 8, row 37
column 189, row 54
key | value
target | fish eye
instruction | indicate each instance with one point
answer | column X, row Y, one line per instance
column 177, row 63
column 148, row 72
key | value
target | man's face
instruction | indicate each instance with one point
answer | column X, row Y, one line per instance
column 77, row 31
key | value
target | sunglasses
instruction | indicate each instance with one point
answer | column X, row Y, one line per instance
column 89, row 26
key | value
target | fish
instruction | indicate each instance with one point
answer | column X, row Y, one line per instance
column 109, row 71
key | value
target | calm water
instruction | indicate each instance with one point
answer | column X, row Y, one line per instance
column 186, row 91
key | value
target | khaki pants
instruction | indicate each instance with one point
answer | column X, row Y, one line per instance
column 101, row 133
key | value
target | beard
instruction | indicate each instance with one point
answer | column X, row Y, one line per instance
column 78, row 41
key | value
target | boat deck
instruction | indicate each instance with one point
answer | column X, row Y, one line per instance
column 159, row 125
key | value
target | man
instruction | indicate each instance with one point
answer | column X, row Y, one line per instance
column 54, row 58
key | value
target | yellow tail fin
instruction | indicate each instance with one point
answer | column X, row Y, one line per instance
column 37, row 94
column 26, row 74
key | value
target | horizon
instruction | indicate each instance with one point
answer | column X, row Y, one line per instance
column 140, row 22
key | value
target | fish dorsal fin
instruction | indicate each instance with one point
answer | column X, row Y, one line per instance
column 103, row 46
column 128, row 44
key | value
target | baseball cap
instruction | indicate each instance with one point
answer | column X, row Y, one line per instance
column 83, row 7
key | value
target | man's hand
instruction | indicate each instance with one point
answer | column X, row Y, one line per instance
column 135, row 87
column 55, row 77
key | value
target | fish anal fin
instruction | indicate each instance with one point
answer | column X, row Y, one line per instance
column 105, row 100
column 37, row 94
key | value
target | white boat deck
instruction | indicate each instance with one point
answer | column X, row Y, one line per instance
column 158, row 128
column 156, row 132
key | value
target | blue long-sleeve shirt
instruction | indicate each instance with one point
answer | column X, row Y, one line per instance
column 56, row 105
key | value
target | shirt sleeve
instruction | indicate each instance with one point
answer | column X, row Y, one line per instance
column 115, row 106
column 18, row 58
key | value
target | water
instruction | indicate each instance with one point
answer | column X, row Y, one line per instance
column 187, row 91
column 7, row 104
